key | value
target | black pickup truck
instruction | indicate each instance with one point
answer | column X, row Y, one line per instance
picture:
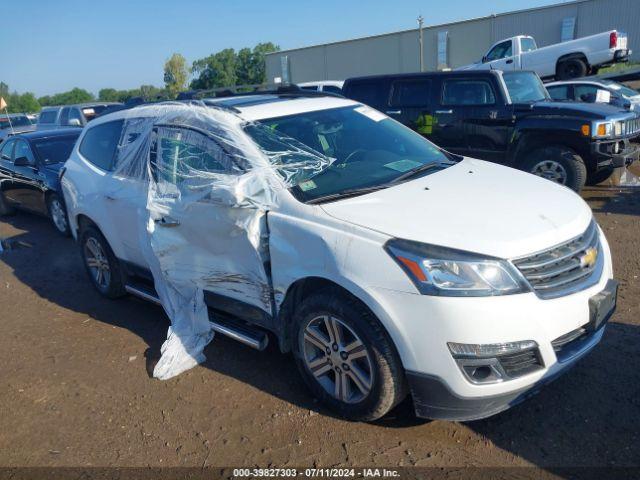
column 509, row 118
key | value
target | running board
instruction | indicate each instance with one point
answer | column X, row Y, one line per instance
column 251, row 337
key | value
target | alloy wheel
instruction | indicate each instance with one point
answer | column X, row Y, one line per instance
column 551, row 170
column 58, row 215
column 97, row 262
column 337, row 358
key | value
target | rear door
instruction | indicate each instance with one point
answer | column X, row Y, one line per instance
column 472, row 118
column 411, row 104
column 200, row 236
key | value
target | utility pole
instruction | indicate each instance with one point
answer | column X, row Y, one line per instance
column 421, row 42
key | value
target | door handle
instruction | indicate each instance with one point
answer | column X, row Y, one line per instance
column 509, row 62
column 444, row 111
column 110, row 198
column 393, row 112
column 167, row 222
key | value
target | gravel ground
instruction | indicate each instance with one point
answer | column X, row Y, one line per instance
column 75, row 388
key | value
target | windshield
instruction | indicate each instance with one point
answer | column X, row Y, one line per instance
column 55, row 150
column 525, row 87
column 20, row 121
column 364, row 147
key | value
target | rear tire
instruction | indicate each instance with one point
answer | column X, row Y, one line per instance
column 571, row 68
column 559, row 164
column 600, row 176
column 339, row 341
column 58, row 214
column 5, row 208
column 101, row 264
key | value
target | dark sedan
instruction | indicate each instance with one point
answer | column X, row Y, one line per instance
column 29, row 168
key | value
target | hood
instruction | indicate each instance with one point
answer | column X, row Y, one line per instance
column 475, row 206
column 591, row 111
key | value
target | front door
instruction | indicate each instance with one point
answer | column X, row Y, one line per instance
column 500, row 57
column 28, row 181
column 203, row 233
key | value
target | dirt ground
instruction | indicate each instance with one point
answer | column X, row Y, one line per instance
column 75, row 388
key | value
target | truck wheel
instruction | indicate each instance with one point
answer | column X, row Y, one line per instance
column 600, row 176
column 346, row 358
column 571, row 68
column 5, row 208
column 101, row 264
column 558, row 164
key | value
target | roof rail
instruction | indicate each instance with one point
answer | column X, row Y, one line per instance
column 288, row 89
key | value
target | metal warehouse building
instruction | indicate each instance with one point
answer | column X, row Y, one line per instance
column 454, row 44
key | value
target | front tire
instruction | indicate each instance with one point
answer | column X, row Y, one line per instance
column 58, row 214
column 558, row 164
column 346, row 358
column 101, row 264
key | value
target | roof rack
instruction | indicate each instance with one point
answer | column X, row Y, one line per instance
column 284, row 89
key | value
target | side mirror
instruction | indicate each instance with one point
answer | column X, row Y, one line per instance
column 484, row 59
column 74, row 122
column 22, row 162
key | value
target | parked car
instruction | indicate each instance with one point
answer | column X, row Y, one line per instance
column 506, row 117
column 396, row 267
column 14, row 123
column 70, row 115
column 29, row 167
column 593, row 90
column 571, row 59
column 331, row 86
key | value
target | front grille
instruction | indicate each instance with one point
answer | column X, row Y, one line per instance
column 631, row 127
column 520, row 363
column 563, row 268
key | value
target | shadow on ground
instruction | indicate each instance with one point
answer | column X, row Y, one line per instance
column 588, row 417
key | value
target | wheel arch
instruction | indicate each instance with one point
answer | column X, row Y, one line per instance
column 578, row 55
column 529, row 141
column 302, row 288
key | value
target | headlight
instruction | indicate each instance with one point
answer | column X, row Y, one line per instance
column 602, row 129
column 449, row 272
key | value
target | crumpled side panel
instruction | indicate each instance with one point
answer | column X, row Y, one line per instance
column 203, row 228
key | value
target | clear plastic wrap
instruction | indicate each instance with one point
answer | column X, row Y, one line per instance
column 203, row 225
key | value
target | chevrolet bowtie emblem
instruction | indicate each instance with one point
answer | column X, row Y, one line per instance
column 589, row 258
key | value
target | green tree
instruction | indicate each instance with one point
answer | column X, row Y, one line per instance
column 217, row 70
column 76, row 95
column 176, row 74
column 4, row 90
column 108, row 95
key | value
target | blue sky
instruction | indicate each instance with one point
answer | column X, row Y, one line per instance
column 53, row 46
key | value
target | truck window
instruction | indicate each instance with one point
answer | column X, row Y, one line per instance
column 525, row 87
column 410, row 93
column 375, row 94
column 467, row 92
column 64, row 116
column 48, row 116
column 501, row 50
column 527, row 45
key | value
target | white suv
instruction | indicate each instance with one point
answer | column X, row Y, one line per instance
column 387, row 267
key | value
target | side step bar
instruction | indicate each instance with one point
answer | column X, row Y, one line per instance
column 251, row 337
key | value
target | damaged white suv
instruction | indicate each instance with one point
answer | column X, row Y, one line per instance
column 385, row 264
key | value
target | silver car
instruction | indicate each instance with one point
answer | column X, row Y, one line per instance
column 14, row 123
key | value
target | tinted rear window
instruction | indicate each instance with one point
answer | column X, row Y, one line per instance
column 15, row 122
column 375, row 94
column 48, row 116
column 99, row 144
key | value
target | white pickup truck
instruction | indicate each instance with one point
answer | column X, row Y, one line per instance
column 563, row 61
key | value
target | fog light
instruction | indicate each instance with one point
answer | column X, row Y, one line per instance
column 472, row 350
column 481, row 363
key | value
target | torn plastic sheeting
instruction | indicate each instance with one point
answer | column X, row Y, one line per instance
column 203, row 225
column 622, row 177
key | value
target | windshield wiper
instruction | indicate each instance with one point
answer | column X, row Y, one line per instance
column 416, row 171
column 350, row 192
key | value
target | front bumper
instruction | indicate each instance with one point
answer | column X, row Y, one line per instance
column 432, row 397
column 603, row 152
